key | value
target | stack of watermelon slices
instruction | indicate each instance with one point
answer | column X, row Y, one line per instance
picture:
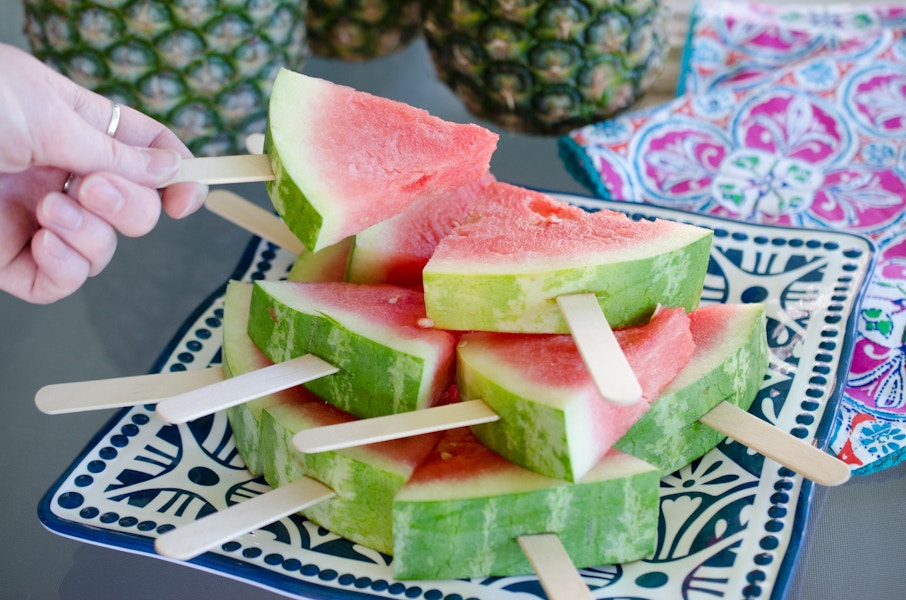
column 449, row 496
column 482, row 322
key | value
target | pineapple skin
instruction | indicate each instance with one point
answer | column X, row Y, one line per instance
column 546, row 66
column 356, row 30
column 204, row 68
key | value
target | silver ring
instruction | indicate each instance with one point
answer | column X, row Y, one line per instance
column 68, row 182
column 111, row 131
column 114, row 119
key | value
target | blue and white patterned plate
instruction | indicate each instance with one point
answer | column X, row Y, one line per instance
column 731, row 522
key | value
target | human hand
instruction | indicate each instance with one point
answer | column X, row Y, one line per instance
column 51, row 241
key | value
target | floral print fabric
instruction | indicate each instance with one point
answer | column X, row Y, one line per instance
column 796, row 116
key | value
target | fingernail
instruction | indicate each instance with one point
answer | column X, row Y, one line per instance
column 162, row 164
column 100, row 196
column 63, row 213
column 201, row 195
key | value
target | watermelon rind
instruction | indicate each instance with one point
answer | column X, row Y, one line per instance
column 729, row 365
column 303, row 218
column 504, row 269
column 327, row 264
column 365, row 479
column 628, row 292
column 241, row 355
column 381, row 370
column 467, row 526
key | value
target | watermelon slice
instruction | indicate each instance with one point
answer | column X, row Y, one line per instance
column 389, row 362
column 396, row 250
column 552, row 419
column 464, row 507
column 729, row 365
column 344, row 160
column 241, row 355
column 503, row 269
column 365, row 478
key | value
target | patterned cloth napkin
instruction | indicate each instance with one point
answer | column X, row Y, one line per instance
column 792, row 115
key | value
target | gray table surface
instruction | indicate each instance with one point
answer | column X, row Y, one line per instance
column 120, row 321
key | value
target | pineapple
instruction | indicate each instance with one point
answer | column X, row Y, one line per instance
column 361, row 29
column 202, row 67
column 546, row 66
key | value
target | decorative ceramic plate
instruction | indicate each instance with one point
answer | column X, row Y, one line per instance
column 731, row 522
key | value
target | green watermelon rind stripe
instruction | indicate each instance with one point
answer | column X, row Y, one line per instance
column 365, row 484
column 243, row 423
column 669, row 435
column 422, row 526
column 245, row 426
column 628, row 292
column 374, row 380
column 299, row 214
column 244, row 418
column 534, row 435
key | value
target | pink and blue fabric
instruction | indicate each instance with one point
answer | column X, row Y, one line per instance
column 796, row 116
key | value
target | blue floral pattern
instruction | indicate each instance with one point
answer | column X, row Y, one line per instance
column 882, row 438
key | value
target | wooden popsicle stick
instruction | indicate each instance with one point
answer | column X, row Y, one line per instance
column 776, row 444
column 60, row 398
column 599, row 349
column 193, row 404
column 242, row 168
column 189, row 541
column 251, row 217
column 390, row 427
column 554, row 568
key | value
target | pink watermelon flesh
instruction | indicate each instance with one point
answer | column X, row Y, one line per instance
column 554, row 360
column 396, row 250
column 381, row 304
column 528, row 226
column 552, row 419
column 459, row 456
column 404, row 151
